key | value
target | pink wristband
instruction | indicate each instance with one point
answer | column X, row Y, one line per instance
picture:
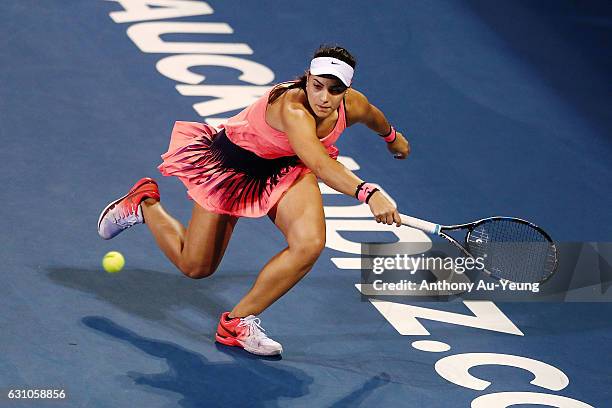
column 390, row 138
column 365, row 191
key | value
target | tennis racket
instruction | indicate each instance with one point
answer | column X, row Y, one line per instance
column 512, row 249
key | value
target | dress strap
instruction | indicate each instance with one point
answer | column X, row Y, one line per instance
column 343, row 111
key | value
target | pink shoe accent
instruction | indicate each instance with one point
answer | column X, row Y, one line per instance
column 246, row 333
column 125, row 211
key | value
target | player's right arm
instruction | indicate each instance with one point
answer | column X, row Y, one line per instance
column 300, row 128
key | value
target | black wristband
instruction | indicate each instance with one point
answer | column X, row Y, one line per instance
column 370, row 195
column 391, row 136
column 359, row 189
column 388, row 133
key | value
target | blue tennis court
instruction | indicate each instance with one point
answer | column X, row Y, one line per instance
column 507, row 109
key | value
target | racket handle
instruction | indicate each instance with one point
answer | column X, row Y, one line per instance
column 422, row 225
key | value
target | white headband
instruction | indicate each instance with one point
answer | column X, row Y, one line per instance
column 332, row 66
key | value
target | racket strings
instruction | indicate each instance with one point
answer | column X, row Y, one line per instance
column 513, row 250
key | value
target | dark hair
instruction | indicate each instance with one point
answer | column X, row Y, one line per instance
column 333, row 51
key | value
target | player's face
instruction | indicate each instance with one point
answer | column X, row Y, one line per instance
column 324, row 94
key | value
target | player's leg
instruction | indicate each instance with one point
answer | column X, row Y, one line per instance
column 299, row 215
column 196, row 250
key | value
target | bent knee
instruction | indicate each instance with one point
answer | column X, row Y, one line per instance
column 197, row 271
column 308, row 249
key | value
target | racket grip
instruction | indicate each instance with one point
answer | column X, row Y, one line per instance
column 422, row 225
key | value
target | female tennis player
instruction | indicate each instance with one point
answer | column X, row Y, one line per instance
column 263, row 161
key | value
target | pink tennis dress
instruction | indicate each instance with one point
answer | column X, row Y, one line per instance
column 244, row 169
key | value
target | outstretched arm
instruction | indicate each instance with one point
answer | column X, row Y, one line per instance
column 300, row 128
column 360, row 110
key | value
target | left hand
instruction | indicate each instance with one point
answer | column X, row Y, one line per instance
column 400, row 148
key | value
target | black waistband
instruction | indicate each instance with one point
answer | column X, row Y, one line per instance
column 237, row 158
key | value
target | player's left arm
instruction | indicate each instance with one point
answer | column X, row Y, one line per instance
column 360, row 110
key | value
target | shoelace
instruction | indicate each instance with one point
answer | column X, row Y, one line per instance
column 254, row 326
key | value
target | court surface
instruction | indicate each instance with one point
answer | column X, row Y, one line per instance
column 506, row 106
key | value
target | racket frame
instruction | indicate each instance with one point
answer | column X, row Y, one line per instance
column 439, row 230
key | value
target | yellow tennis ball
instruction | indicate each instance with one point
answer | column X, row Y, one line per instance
column 113, row 262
